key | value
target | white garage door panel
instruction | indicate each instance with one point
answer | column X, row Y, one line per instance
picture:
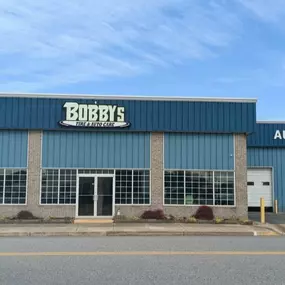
column 259, row 185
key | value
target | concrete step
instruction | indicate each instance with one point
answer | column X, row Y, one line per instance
column 93, row 221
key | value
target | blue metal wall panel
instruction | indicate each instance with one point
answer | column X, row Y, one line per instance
column 148, row 115
column 198, row 151
column 95, row 150
column 264, row 135
column 13, row 149
column 271, row 157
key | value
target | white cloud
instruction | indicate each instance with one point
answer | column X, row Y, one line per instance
column 50, row 43
column 271, row 76
column 267, row 10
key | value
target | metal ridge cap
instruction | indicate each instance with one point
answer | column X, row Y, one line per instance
column 270, row 122
column 127, row 97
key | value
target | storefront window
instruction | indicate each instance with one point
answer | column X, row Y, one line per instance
column 1, row 185
column 224, row 188
column 132, row 187
column 174, row 187
column 13, row 186
column 141, row 187
column 199, row 188
column 49, row 193
column 58, row 186
column 67, row 186
column 95, row 171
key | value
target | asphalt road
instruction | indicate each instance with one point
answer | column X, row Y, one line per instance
column 142, row 260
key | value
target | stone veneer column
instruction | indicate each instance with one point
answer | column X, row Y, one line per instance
column 157, row 169
column 34, row 183
column 241, row 175
column 34, row 170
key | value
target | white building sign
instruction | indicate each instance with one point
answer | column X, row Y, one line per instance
column 94, row 116
column 280, row 135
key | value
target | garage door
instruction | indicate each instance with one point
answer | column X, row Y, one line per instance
column 259, row 184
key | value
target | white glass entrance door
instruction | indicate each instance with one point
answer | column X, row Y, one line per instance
column 95, row 196
column 86, row 199
column 104, row 196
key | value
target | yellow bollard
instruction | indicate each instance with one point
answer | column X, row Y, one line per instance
column 275, row 206
column 262, row 211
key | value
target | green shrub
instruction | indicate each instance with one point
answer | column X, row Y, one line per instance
column 192, row 220
column 218, row 220
column 245, row 222
column 134, row 218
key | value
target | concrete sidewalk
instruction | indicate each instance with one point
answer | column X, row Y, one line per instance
column 273, row 221
column 145, row 229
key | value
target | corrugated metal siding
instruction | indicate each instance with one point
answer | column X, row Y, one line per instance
column 204, row 151
column 40, row 113
column 13, row 149
column 264, row 136
column 271, row 157
column 95, row 150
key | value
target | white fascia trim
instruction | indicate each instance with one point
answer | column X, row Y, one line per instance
column 270, row 122
column 127, row 97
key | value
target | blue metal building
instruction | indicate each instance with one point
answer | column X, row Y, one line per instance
column 266, row 162
column 97, row 156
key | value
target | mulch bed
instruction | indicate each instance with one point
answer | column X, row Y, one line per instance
column 228, row 222
column 37, row 221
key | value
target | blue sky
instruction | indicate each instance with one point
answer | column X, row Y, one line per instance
column 208, row 48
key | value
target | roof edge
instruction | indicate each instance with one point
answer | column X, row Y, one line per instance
column 270, row 122
column 128, row 97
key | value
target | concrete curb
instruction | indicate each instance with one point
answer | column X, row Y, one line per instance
column 53, row 234
column 178, row 233
column 139, row 233
column 278, row 230
column 267, row 234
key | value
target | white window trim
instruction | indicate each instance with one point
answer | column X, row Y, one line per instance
column 95, row 189
column 4, row 182
column 132, row 187
column 134, row 169
column 58, row 185
column 198, row 205
column 78, row 174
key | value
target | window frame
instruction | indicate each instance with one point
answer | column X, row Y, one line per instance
column 135, row 169
column 26, row 186
column 198, row 205
column 58, row 187
column 86, row 171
